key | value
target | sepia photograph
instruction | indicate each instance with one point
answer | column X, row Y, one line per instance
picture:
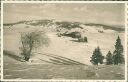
column 64, row 41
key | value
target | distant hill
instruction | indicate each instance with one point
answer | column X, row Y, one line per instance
column 65, row 24
column 106, row 27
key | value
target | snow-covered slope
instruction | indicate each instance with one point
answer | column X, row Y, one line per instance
column 63, row 46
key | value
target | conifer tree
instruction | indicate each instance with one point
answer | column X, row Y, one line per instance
column 118, row 57
column 109, row 58
column 97, row 57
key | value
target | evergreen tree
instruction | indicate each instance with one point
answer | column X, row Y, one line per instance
column 97, row 57
column 109, row 58
column 118, row 53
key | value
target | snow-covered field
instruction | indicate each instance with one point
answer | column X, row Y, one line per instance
column 65, row 47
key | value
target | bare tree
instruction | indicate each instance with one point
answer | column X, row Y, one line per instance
column 32, row 40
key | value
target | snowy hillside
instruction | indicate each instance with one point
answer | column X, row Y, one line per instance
column 64, row 46
column 45, row 63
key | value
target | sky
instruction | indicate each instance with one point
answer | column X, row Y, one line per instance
column 102, row 13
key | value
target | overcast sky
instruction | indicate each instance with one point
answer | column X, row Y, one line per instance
column 107, row 13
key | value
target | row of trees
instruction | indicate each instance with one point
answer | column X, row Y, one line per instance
column 115, row 58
